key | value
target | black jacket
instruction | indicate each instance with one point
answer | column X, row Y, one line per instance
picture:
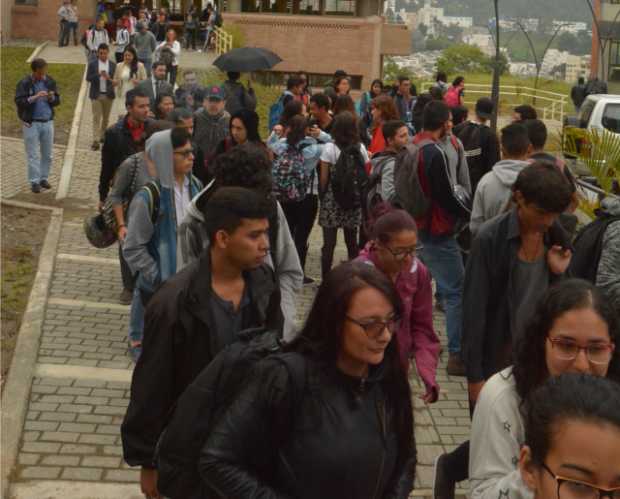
column 93, row 77
column 335, row 440
column 118, row 145
column 481, row 149
column 25, row 89
column 177, row 346
column 487, row 339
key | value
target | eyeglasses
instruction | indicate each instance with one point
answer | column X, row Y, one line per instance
column 401, row 253
column 575, row 489
column 374, row 329
column 185, row 153
column 597, row 353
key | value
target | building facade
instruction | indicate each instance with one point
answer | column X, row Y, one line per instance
column 605, row 63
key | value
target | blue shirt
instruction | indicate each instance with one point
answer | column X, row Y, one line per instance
column 42, row 108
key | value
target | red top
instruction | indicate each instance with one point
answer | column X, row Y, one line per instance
column 136, row 129
column 377, row 144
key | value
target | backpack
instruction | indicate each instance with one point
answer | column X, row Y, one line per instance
column 349, row 178
column 219, row 20
column 452, row 97
column 202, row 404
column 409, row 193
column 276, row 109
column 469, row 134
column 88, row 32
column 290, row 181
column 588, row 245
column 166, row 56
column 371, row 192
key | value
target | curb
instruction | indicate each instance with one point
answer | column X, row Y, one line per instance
column 17, row 388
column 36, row 52
column 69, row 158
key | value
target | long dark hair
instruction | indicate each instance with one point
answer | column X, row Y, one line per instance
column 250, row 121
column 296, row 130
column 344, row 130
column 344, row 103
column 530, row 366
column 568, row 397
column 321, row 339
column 375, row 82
column 133, row 69
column 293, row 108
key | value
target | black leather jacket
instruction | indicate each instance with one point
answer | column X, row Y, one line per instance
column 337, row 441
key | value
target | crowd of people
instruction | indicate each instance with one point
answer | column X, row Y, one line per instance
column 213, row 224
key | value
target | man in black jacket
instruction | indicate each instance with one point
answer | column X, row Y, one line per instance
column 198, row 312
column 99, row 74
column 36, row 96
column 122, row 140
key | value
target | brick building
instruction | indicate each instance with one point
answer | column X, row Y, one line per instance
column 317, row 36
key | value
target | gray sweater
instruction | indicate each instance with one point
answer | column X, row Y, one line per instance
column 122, row 189
column 608, row 272
column 145, row 44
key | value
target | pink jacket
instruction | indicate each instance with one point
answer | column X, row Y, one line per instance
column 416, row 336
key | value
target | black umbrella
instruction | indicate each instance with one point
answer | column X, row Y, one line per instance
column 247, row 59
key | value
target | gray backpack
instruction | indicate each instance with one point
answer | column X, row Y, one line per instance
column 409, row 193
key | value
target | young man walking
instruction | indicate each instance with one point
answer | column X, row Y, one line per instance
column 36, row 96
column 396, row 136
column 196, row 314
column 495, row 188
column 405, row 100
column 100, row 74
column 479, row 141
column 156, row 84
column 145, row 44
column 122, row 140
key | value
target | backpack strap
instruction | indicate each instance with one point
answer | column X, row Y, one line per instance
column 153, row 191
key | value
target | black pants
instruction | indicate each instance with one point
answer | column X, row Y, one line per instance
column 191, row 34
column 171, row 76
column 126, row 275
column 458, row 460
column 300, row 218
column 330, row 236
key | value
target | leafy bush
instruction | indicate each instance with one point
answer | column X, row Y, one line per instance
column 463, row 58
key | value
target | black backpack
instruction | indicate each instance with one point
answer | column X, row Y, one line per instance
column 588, row 246
column 203, row 403
column 348, row 179
column 469, row 134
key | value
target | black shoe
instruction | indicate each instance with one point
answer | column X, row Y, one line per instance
column 308, row 280
column 125, row 297
column 36, row 188
column 45, row 184
column 443, row 486
column 455, row 365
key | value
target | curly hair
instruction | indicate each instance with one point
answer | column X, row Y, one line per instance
column 530, row 366
column 385, row 104
column 245, row 165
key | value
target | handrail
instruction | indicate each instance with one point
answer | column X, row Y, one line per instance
column 588, row 186
column 223, row 41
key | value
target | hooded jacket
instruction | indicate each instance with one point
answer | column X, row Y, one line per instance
column 150, row 248
column 193, row 240
column 179, row 342
column 209, row 131
column 416, row 337
column 494, row 191
column 608, row 272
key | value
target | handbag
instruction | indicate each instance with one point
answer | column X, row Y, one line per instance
column 107, row 211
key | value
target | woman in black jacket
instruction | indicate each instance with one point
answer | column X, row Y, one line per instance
column 342, row 430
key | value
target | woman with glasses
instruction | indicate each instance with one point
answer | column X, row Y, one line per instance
column 572, row 439
column 392, row 250
column 347, row 430
column 574, row 330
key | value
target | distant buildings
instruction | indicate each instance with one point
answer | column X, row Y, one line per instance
column 431, row 16
column 606, row 51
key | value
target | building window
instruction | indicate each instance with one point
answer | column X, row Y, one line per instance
column 611, row 118
column 27, row 2
column 614, row 60
column 308, row 7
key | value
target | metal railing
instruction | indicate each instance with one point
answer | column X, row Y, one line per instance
column 223, row 41
column 552, row 105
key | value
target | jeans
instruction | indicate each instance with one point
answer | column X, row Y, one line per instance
column 63, row 33
column 191, row 34
column 300, row 217
column 136, row 317
column 66, row 29
column 442, row 256
column 39, row 142
column 330, row 237
column 148, row 65
column 171, row 76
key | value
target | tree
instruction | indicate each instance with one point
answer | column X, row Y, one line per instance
column 464, row 58
column 568, row 42
column 437, row 43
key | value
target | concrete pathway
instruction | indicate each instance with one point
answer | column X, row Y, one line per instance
column 70, row 445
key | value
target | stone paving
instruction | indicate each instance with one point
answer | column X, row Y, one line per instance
column 81, row 387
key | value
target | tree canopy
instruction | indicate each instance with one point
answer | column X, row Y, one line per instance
column 464, row 58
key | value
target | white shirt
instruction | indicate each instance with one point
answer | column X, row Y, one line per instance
column 182, row 199
column 97, row 37
column 175, row 49
column 103, row 66
column 331, row 153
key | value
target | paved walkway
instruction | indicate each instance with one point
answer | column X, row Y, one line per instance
column 70, row 445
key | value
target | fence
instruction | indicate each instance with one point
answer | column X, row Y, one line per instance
column 549, row 105
column 223, row 41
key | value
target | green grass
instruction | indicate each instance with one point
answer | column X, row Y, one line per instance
column 265, row 95
column 68, row 78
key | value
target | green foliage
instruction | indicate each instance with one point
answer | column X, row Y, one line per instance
column 14, row 67
column 437, row 43
column 238, row 38
column 391, row 72
column 464, row 58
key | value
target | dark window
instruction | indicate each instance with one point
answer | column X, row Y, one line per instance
column 586, row 112
column 27, row 2
column 611, row 118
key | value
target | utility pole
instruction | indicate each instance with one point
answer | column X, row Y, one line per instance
column 495, row 89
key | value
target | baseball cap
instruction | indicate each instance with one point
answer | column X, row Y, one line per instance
column 484, row 108
column 214, row 92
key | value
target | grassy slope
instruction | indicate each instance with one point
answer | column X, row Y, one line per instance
column 67, row 76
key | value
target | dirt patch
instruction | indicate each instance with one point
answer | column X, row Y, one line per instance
column 23, row 233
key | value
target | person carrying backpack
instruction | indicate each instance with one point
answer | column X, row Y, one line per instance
column 155, row 212
column 596, row 255
column 295, row 181
column 454, row 96
column 345, row 430
column 342, row 181
column 196, row 314
column 236, row 95
column 294, row 89
column 479, row 141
